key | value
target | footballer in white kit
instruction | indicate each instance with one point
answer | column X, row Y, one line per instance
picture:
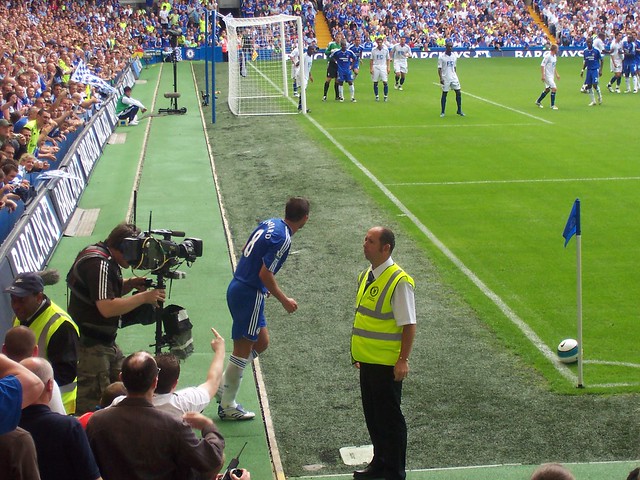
column 615, row 62
column 399, row 53
column 447, row 61
column 307, row 63
column 294, row 56
column 379, row 68
column 549, row 75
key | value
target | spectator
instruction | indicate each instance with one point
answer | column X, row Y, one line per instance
column 114, row 390
column 19, row 388
column 6, row 197
column 18, row 459
column 190, row 399
column 552, row 471
column 168, row 450
column 20, row 343
column 57, row 334
column 40, row 128
column 61, row 444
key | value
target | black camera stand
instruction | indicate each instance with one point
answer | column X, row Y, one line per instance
column 173, row 109
column 161, row 340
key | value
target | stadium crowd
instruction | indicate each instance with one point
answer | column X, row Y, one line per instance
column 41, row 45
column 468, row 24
column 571, row 22
column 428, row 24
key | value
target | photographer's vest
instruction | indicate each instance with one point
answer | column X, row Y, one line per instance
column 375, row 337
column 44, row 326
column 92, row 324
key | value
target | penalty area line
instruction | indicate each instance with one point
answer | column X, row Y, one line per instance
column 506, row 107
column 490, row 294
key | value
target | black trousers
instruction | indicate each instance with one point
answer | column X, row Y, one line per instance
column 381, row 398
column 129, row 113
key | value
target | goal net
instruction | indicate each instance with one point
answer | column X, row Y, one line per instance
column 260, row 72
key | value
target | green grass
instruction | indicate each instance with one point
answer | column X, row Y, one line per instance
column 479, row 392
column 496, row 188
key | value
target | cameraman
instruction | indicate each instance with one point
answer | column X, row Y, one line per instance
column 96, row 303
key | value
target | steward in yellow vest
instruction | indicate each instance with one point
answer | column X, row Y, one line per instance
column 376, row 338
column 56, row 333
column 381, row 341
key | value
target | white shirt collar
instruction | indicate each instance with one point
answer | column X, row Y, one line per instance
column 382, row 267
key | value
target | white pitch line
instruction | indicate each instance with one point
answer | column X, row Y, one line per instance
column 614, row 364
column 504, row 308
column 470, row 467
column 496, row 104
column 533, row 180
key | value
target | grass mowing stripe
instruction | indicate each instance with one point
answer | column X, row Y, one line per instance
column 501, row 304
column 531, row 180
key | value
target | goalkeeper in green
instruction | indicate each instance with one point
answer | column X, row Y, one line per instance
column 332, row 66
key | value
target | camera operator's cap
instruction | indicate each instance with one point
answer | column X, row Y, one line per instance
column 5, row 123
column 26, row 284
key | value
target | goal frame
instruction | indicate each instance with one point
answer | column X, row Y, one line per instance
column 245, row 74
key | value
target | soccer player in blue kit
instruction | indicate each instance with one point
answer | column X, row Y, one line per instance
column 629, row 66
column 593, row 65
column 254, row 279
column 357, row 50
column 345, row 59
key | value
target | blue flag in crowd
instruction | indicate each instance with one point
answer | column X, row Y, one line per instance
column 82, row 74
column 573, row 223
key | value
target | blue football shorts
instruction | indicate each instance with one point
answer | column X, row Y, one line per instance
column 246, row 305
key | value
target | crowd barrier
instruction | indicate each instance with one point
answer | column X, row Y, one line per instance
column 38, row 226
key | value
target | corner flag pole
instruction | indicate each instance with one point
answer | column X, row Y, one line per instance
column 579, row 295
column 573, row 228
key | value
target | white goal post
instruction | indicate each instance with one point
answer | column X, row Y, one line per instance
column 260, row 73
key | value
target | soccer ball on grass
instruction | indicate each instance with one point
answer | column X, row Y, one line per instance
column 568, row 351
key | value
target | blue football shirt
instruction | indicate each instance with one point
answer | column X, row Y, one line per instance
column 344, row 59
column 592, row 58
column 268, row 244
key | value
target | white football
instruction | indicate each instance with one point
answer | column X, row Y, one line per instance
column 568, row 351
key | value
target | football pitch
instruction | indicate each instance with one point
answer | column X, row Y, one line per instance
column 491, row 192
column 479, row 204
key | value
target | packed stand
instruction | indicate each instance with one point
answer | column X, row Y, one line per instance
column 572, row 22
column 306, row 9
column 40, row 107
column 428, row 24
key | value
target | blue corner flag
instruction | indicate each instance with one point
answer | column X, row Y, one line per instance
column 573, row 223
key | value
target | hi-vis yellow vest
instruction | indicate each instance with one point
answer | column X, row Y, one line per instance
column 44, row 326
column 375, row 337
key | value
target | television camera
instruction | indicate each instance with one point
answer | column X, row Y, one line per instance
column 155, row 251
column 160, row 255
